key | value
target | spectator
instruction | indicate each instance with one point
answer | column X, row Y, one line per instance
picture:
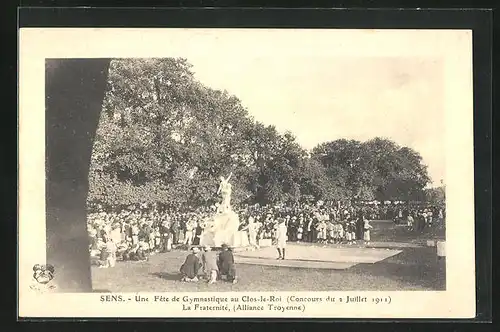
column 226, row 264
column 108, row 253
column 189, row 270
column 209, row 259
column 367, row 227
column 410, row 222
column 281, row 238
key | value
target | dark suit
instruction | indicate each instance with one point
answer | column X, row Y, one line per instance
column 226, row 264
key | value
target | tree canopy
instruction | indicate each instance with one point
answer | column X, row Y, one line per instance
column 166, row 138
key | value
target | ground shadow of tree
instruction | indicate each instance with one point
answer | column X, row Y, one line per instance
column 415, row 266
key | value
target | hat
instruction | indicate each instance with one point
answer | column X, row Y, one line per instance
column 224, row 245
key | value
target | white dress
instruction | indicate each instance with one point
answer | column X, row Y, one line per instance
column 281, row 236
column 252, row 232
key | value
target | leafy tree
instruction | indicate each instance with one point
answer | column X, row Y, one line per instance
column 165, row 137
column 376, row 169
column 436, row 196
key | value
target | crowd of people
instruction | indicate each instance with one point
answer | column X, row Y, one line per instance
column 136, row 232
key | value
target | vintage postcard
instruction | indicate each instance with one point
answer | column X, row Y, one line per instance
column 246, row 173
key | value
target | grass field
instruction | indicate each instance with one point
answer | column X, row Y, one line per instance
column 386, row 231
column 415, row 268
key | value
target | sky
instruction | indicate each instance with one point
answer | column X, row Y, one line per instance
column 322, row 98
column 320, row 84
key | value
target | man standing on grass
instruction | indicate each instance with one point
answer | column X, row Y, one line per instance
column 410, row 221
column 176, row 230
column 440, row 215
column 253, row 228
column 308, row 229
column 281, row 238
column 429, row 217
column 360, row 223
column 190, row 229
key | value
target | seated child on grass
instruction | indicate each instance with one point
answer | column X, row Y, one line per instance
column 209, row 259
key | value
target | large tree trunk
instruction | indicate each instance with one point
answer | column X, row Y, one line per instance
column 74, row 94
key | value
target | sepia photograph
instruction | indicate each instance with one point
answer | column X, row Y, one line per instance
column 236, row 161
column 202, row 174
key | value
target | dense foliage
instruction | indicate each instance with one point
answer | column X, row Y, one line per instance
column 166, row 138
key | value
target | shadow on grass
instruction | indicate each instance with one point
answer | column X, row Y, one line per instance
column 412, row 269
column 416, row 266
column 384, row 231
column 167, row 276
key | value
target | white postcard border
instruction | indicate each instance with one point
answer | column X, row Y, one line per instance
column 454, row 46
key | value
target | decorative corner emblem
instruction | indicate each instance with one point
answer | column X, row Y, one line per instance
column 43, row 274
